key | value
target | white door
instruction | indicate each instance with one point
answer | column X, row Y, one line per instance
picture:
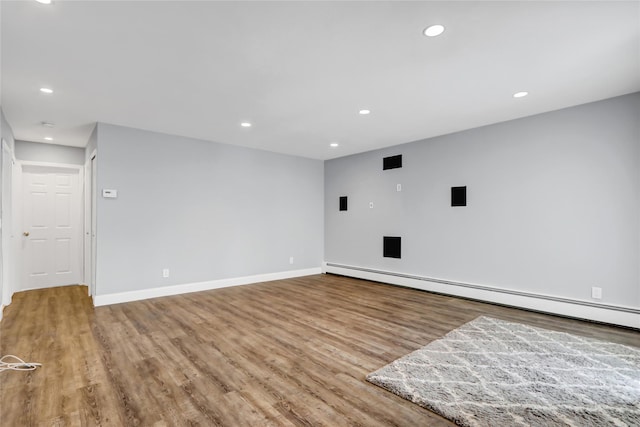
column 51, row 220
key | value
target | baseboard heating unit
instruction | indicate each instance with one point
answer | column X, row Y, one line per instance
column 580, row 309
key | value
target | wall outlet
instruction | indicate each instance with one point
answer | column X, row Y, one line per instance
column 370, row 205
column 596, row 293
column 290, row 260
column 399, row 187
column 165, row 272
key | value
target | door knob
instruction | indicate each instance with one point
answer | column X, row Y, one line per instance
column 25, row 234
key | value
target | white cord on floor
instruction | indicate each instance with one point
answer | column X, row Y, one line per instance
column 20, row 365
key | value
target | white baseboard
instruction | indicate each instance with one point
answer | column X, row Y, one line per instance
column 1, row 311
column 164, row 291
column 613, row 314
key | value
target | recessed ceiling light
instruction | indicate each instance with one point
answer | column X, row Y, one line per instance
column 44, row 1
column 48, row 138
column 333, row 144
column 364, row 112
column 245, row 124
column 520, row 94
column 46, row 90
column 433, row 30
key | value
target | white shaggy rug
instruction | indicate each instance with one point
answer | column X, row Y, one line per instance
column 491, row 372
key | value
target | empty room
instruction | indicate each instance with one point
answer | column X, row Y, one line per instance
column 320, row 213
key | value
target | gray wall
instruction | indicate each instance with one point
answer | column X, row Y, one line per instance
column 204, row 210
column 49, row 153
column 553, row 204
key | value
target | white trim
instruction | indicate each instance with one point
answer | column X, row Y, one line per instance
column 16, row 229
column 6, row 216
column 5, row 147
column 52, row 165
column 613, row 314
column 87, row 241
column 99, row 300
column 8, row 149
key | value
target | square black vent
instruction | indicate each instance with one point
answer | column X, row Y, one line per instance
column 458, row 196
column 343, row 203
column 392, row 162
column 391, row 247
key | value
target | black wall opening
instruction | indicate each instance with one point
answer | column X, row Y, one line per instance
column 392, row 162
column 343, row 203
column 391, row 247
column 458, row 196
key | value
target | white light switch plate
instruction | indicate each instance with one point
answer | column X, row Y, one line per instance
column 109, row 194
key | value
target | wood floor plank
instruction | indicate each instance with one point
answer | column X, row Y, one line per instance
column 285, row 353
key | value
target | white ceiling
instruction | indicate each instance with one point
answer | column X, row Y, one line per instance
column 300, row 71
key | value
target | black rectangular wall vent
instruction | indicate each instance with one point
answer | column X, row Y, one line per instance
column 343, row 203
column 458, row 196
column 392, row 162
column 391, row 247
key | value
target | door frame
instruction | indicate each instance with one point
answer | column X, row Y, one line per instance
column 90, row 200
column 16, row 227
column 80, row 168
column 8, row 221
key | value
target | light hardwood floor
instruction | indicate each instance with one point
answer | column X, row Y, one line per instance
column 284, row 353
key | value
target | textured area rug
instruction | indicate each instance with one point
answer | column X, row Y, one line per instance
column 491, row 372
